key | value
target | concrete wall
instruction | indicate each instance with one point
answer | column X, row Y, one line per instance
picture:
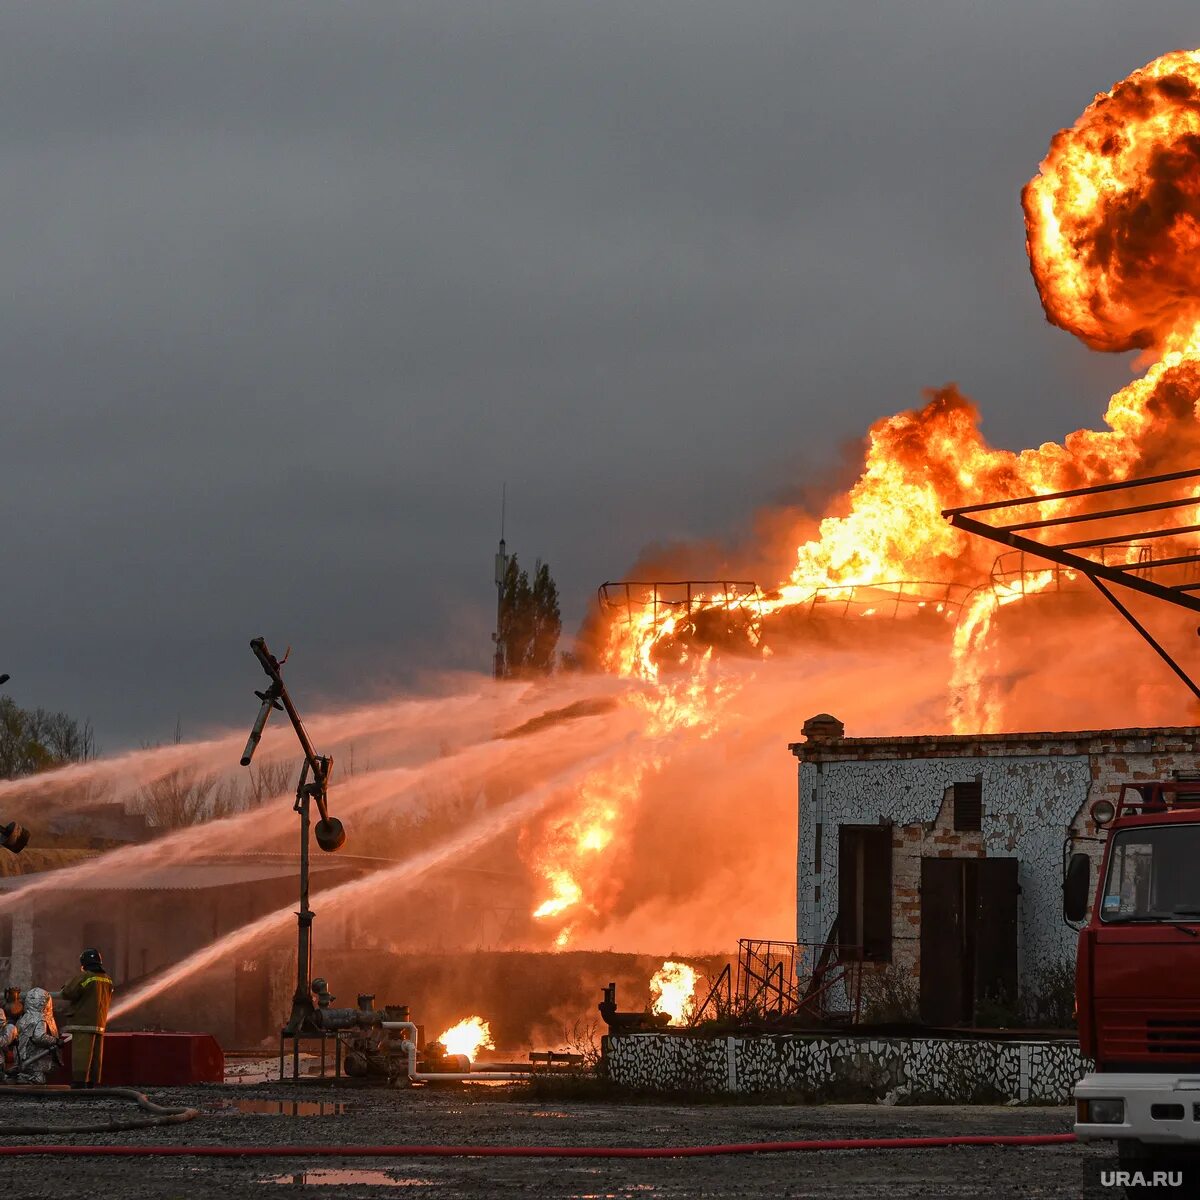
column 891, row 1070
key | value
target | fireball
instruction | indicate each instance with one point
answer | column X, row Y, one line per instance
column 672, row 990
column 468, row 1037
column 1112, row 223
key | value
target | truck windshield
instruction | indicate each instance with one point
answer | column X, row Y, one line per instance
column 1152, row 875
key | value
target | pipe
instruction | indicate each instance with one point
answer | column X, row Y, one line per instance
column 406, row 1151
column 410, row 1045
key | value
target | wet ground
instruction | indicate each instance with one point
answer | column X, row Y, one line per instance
column 280, row 1115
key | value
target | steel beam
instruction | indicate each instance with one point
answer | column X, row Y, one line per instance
column 1094, row 490
column 1075, row 562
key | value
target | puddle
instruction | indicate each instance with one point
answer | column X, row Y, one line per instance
column 621, row 1195
column 335, row 1175
column 290, row 1108
column 555, row 1115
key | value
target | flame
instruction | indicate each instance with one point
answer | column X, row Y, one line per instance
column 1113, row 236
column 573, row 854
column 672, row 990
column 1113, row 217
column 571, row 844
column 468, row 1037
column 565, row 893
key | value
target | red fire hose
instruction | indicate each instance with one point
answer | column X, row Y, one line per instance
column 908, row 1143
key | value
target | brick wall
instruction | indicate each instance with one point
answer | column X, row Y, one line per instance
column 911, row 843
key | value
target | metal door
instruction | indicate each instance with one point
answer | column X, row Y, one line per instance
column 944, row 1000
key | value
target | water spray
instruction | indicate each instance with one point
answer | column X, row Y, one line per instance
column 329, row 832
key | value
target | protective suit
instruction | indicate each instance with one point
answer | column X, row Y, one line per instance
column 37, row 1038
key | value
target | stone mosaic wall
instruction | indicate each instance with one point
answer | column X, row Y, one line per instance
column 889, row 1070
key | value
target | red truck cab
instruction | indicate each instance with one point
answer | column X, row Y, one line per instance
column 1137, row 972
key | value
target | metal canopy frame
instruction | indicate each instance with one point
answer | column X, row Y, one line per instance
column 1134, row 576
column 670, row 596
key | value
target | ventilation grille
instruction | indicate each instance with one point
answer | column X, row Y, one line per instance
column 968, row 806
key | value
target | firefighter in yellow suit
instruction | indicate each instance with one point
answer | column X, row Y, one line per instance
column 89, row 993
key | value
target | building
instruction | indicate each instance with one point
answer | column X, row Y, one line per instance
column 146, row 921
column 940, row 858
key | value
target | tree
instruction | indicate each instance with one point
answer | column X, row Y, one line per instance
column 547, row 621
column 530, row 621
column 33, row 740
column 183, row 797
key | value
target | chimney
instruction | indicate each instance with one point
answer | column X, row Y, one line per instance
column 823, row 728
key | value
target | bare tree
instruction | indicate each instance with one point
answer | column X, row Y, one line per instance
column 266, row 780
column 181, row 797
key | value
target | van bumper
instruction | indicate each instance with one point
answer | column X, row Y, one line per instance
column 1157, row 1109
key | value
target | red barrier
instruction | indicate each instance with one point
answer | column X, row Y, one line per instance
column 155, row 1060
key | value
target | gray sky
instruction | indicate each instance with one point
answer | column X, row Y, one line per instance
column 290, row 288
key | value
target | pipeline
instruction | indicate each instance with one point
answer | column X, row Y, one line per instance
column 906, row 1143
column 410, row 1048
column 159, row 1114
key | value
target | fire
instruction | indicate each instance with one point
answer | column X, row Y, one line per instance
column 575, row 847
column 468, row 1037
column 565, row 893
column 1113, row 218
column 1113, row 235
column 571, row 844
column 672, row 990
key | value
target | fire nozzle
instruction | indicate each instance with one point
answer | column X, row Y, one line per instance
column 329, row 831
column 270, row 700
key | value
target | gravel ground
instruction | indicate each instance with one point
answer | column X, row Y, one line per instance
column 500, row 1116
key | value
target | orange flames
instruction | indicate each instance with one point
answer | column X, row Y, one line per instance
column 468, row 1037
column 572, row 843
column 1113, row 232
column 673, row 990
column 574, row 847
column 1113, row 220
column 1113, row 235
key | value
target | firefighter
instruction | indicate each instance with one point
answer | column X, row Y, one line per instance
column 9, row 1032
column 89, row 993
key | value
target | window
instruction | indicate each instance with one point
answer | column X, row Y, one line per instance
column 865, row 890
column 1152, row 875
column 967, row 799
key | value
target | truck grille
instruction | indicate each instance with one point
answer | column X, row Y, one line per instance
column 1130, row 1033
column 1174, row 1036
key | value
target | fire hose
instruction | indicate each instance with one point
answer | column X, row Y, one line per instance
column 414, row 1151
column 159, row 1114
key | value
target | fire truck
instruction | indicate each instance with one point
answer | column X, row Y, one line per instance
column 1137, row 974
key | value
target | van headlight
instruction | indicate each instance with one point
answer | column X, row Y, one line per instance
column 1100, row 1112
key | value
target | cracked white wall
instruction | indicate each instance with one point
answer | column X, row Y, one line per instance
column 1029, row 802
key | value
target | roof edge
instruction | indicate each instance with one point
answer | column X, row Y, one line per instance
column 846, row 746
